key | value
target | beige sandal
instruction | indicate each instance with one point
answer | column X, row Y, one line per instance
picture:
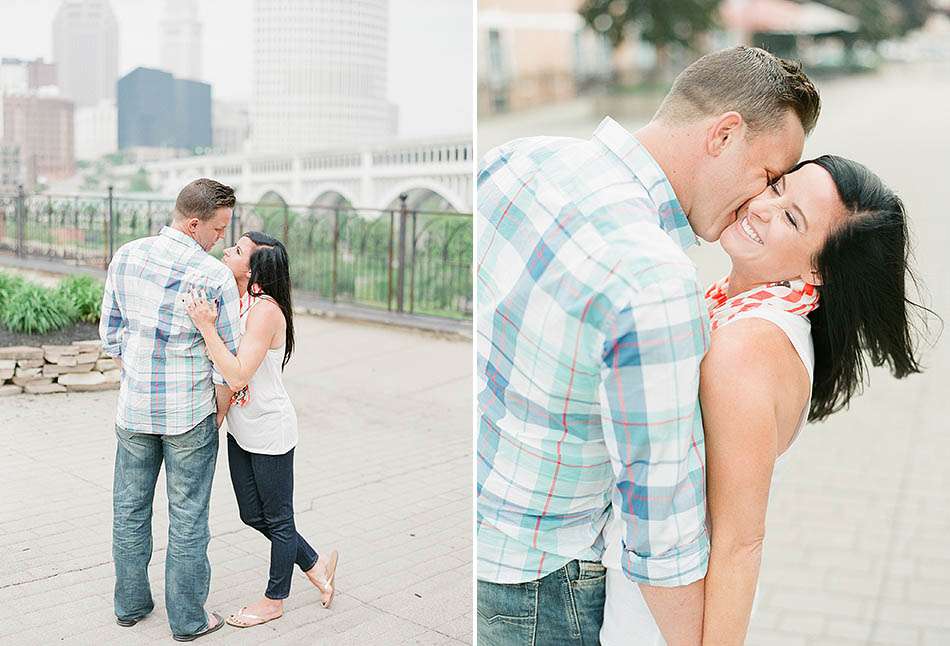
column 245, row 620
column 326, row 587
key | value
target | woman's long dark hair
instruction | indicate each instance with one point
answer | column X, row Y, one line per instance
column 863, row 307
column 270, row 275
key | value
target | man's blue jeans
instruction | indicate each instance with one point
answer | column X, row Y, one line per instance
column 189, row 468
column 564, row 607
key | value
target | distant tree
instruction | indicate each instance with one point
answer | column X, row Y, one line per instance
column 661, row 22
column 915, row 14
column 883, row 19
column 139, row 182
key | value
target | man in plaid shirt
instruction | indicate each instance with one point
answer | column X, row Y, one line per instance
column 167, row 404
column 591, row 329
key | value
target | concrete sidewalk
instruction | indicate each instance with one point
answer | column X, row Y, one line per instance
column 383, row 473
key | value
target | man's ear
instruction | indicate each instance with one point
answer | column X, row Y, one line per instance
column 193, row 223
column 722, row 132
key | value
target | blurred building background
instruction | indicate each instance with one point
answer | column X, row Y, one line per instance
column 86, row 50
column 41, row 126
column 157, row 110
column 547, row 52
column 319, row 74
column 181, row 39
column 315, row 75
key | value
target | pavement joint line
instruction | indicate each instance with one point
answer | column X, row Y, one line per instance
column 54, row 575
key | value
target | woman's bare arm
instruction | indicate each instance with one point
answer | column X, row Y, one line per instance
column 748, row 379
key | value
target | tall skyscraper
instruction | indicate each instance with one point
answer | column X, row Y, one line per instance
column 156, row 110
column 181, row 39
column 86, row 50
column 319, row 74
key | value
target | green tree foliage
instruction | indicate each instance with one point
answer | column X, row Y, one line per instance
column 139, row 182
column 661, row 22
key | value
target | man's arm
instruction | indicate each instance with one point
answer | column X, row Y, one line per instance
column 653, row 427
column 111, row 321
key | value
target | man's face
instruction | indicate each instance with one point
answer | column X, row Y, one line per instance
column 207, row 232
column 741, row 169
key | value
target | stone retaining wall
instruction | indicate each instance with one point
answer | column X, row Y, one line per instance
column 82, row 366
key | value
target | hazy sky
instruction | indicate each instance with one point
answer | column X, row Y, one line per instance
column 430, row 52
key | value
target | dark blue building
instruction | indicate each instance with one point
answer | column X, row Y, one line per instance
column 156, row 110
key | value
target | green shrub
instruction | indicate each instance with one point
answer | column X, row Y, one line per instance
column 8, row 284
column 34, row 309
column 85, row 294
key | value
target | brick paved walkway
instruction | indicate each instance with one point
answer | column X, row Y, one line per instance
column 383, row 473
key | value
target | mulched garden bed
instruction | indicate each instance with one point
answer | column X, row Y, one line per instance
column 77, row 332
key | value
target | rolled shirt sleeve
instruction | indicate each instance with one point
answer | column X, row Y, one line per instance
column 228, row 323
column 653, row 430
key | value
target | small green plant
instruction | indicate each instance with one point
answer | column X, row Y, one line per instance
column 34, row 309
column 8, row 284
column 85, row 294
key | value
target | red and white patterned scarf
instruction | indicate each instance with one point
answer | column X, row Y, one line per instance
column 794, row 297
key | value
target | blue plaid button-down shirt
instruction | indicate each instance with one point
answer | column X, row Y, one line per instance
column 167, row 385
column 590, row 330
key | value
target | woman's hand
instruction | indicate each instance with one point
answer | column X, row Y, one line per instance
column 202, row 311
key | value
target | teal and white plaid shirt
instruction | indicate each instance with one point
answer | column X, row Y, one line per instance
column 167, row 384
column 591, row 327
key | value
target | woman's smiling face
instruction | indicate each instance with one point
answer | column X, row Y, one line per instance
column 778, row 233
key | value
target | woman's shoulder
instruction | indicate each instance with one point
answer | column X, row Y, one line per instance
column 756, row 344
column 264, row 309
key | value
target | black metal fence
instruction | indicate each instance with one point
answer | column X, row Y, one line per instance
column 402, row 260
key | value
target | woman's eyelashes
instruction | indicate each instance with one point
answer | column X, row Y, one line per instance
column 774, row 185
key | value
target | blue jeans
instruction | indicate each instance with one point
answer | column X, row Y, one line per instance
column 564, row 607
column 189, row 468
column 264, row 488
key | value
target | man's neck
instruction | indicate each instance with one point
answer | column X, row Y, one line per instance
column 180, row 226
column 670, row 147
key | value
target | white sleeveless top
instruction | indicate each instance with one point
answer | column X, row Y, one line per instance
column 627, row 618
column 268, row 423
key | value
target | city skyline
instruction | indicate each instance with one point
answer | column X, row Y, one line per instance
column 433, row 96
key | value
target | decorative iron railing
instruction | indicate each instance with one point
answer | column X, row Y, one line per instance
column 401, row 259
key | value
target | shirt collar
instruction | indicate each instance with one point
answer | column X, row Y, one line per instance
column 631, row 152
column 178, row 236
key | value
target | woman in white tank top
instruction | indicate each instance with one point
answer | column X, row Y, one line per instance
column 262, row 423
column 779, row 357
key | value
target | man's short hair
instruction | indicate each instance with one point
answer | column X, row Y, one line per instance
column 202, row 197
column 748, row 80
